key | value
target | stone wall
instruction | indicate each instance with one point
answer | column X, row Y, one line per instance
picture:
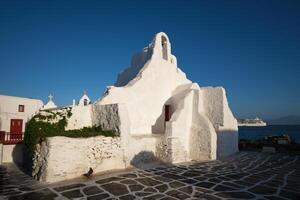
column 107, row 116
column 60, row 158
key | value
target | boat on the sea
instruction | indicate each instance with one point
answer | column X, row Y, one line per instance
column 251, row 122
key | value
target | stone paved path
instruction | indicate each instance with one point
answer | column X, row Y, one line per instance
column 247, row 175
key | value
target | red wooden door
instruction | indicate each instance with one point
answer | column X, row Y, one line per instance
column 16, row 128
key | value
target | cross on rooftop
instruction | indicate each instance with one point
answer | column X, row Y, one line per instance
column 50, row 97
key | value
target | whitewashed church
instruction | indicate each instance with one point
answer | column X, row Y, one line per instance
column 157, row 100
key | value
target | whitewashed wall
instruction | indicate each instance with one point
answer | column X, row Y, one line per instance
column 60, row 158
column 7, row 156
column 200, row 114
column 13, row 153
column 135, row 147
column 192, row 136
column 146, row 94
column 217, row 109
column 81, row 117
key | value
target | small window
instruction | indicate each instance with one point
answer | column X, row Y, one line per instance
column 21, row 108
column 85, row 102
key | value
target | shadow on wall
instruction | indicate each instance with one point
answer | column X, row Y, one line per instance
column 21, row 158
column 145, row 160
column 227, row 143
column 173, row 101
column 158, row 126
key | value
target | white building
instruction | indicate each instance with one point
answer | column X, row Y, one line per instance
column 157, row 99
column 50, row 104
column 14, row 113
column 84, row 100
column 156, row 111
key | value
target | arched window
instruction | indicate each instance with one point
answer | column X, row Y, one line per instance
column 85, row 102
column 164, row 47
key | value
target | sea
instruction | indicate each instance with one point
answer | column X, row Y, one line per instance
column 259, row 132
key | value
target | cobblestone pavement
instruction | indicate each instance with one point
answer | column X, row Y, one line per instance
column 247, row 175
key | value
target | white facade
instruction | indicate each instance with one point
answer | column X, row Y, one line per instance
column 81, row 114
column 201, row 125
column 81, row 117
column 84, row 100
column 9, row 109
column 14, row 113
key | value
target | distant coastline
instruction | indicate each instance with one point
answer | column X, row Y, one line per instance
column 259, row 132
column 286, row 120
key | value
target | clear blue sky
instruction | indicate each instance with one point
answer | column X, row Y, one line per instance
column 252, row 48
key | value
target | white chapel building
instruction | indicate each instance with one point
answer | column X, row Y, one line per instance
column 156, row 100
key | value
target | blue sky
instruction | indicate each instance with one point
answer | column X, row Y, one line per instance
column 252, row 48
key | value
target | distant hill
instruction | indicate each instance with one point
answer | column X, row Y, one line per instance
column 287, row 120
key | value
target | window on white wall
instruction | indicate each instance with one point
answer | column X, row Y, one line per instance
column 21, row 108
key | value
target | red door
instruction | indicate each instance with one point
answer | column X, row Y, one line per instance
column 16, row 128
